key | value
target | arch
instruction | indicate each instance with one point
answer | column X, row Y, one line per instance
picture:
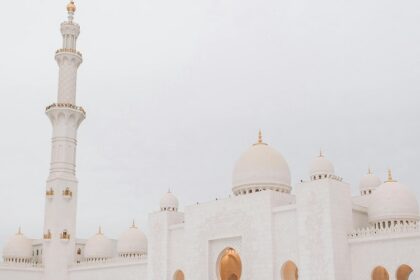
column 404, row 272
column 229, row 265
column 289, row 271
column 179, row 275
column 380, row 273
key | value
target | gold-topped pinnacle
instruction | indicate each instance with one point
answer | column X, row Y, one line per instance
column 321, row 154
column 370, row 171
column 71, row 7
column 260, row 139
column 390, row 179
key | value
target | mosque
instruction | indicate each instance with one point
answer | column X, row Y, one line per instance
column 266, row 230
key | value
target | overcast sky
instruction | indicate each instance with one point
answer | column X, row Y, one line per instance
column 175, row 91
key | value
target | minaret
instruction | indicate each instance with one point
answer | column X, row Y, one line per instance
column 61, row 191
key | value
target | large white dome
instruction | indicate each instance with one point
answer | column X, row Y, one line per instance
column 132, row 242
column 261, row 167
column 320, row 166
column 98, row 247
column 369, row 183
column 169, row 202
column 18, row 247
column 393, row 201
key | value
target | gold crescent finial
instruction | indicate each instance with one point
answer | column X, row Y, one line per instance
column 321, row 154
column 260, row 140
column 369, row 170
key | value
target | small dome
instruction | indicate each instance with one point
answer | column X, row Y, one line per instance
column 261, row 167
column 18, row 246
column 321, row 166
column 71, row 7
column 133, row 241
column 98, row 247
column 392, row 201
column 369, row 183
column 169, row 202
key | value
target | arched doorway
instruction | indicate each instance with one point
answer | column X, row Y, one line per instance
column 179, row 275
column 289, row 271
column 229, row 265
column 380, row 273
column 404, row 272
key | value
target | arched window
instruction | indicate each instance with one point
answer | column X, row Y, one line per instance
column 289, row 271
column 380, row 273
column 229, row 265
column 179, row 275
column 404, row 272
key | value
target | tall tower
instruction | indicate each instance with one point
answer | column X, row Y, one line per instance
column 61, row 190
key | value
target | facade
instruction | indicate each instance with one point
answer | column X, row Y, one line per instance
column 266, row 230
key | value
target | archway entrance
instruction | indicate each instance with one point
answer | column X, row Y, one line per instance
column 179, row 275
column 289, row 271
column 380, row 273
column 229, row 265
column 404, row 272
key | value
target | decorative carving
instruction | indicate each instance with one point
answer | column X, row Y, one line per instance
column 67, row 193
column 47, row 235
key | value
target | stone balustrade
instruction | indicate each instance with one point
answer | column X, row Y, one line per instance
column 389, row 231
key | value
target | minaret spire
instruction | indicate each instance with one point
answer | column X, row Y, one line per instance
column 65, row 116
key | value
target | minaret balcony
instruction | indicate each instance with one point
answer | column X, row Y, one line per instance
column 67, row 193
column 65, row 105
column 73, row 51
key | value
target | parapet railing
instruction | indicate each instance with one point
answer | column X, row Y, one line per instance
column 66, row 105
column 68, row 51
column 114, row 260
column 389, row 231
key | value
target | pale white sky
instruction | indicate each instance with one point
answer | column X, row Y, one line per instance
column 175, row 91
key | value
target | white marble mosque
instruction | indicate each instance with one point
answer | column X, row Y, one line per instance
column 266, row 230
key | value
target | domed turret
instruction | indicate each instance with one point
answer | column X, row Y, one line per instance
column 98, row 247
column 260, row 168
column 132, row 243
column 392, row 204
column 169, row 202
column 321, row 168
column 18, row 249
column 369, row 183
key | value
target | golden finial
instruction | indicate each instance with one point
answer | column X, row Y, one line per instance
column 19, row 230
column 100, row 230
column 71, row 7
column 321, row 154
column 390, row 179
column 133, row 225
column 260, row 137
column 370, row 171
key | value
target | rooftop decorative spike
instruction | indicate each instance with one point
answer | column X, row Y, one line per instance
column 390, row 179
column 100, row 230
column 260, row 137
column 71, row 8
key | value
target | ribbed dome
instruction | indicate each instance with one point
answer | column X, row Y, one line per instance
column 18, row 246
column 321, row 166
column 369, row 183
column 393, row 201
column 169, row 202
column 133, row 241
column 98, row 247
column 261, row 167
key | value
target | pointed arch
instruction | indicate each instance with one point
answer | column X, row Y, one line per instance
column 229, row 265
column 179, row 275
column 404, row 272
column 289, row 271
column 380, row 273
